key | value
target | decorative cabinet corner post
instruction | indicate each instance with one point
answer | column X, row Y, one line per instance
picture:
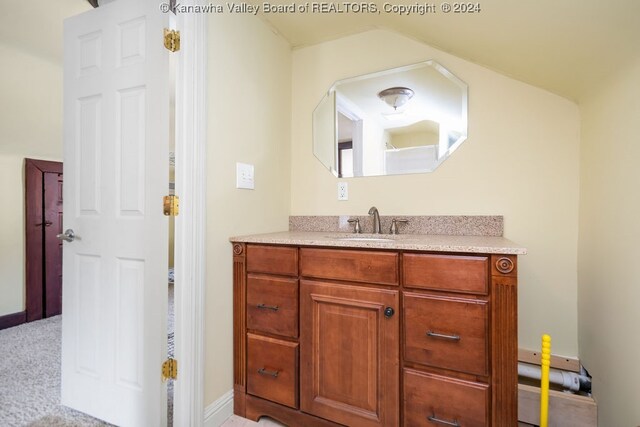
column 239, row 327
column 504, row 336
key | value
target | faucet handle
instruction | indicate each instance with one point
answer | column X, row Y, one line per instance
column 356, row 222
column 394, row 225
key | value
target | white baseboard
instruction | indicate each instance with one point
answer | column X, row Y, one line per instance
column 219, row 411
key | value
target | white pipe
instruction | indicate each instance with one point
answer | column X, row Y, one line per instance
column 568, row 380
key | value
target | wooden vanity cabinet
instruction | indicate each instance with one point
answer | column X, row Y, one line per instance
column 359, row 337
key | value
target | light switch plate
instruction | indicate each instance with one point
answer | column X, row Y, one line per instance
column 343, row 191
column 244, row 176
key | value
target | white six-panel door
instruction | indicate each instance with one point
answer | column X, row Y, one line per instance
column 116, row 130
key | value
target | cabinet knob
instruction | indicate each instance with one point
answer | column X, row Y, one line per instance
column 389, row 312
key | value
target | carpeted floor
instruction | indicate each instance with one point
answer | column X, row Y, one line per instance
column 30, row 376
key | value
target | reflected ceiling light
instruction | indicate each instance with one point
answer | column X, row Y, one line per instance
column 396, row 96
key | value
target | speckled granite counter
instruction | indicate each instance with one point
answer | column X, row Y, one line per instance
column 418, row 242
column 450, row 225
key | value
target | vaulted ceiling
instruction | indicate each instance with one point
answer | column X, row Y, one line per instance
column 565, row 46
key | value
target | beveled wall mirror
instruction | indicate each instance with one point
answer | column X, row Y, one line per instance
column 398, row 121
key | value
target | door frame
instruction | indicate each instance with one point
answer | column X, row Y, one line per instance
column 190, row 237
column 34, row 171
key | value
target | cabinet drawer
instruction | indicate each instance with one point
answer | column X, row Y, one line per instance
column 446, row 272
column 433, row 400
column 446, row 332
column 272, row 305
column 272, row 369
column 272, row 259
column 355, row 266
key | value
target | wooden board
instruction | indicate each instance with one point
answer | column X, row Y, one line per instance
column 565, row 409
column 557, row 362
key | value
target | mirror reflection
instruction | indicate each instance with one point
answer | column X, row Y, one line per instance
column 398, row 121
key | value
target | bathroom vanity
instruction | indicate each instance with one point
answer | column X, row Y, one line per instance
column 413, row 330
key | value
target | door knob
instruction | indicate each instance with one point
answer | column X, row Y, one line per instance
column 67, row 236
column 388, row 312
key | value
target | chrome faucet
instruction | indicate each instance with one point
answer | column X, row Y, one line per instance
column 376, row 220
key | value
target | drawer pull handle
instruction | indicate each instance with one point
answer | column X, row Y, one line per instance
column 263, row 371
column 447, row 337
column 435, row 419
column 268, row 307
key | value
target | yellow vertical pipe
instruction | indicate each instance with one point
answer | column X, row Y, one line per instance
column 544, row 380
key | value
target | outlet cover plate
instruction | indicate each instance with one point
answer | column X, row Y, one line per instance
column 244, row 176
column 343, row 191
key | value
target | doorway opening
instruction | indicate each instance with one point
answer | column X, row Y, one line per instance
column 350, row 143
column 171, row 306
column 190, row 240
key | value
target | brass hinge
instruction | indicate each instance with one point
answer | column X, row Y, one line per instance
column 170, row 369
column 172, row 40
column 171, row 205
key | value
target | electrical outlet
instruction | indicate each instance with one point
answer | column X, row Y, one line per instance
column 343, row 191
column 244, row 176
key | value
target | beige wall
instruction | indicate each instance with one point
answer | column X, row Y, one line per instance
column 31, row 124
column 609, row 272
column 31, row 107
column 249, row 108
column 12, row 235
column 520, row 161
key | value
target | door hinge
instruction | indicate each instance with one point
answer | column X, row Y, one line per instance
column 170, row 369
column 171, row 205
column 172, row 39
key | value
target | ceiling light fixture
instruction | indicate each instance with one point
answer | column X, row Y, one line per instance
column 396, row 96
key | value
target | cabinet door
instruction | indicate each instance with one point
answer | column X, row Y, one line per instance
column 349, row 353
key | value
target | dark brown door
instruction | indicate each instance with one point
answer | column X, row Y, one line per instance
column 52, row 245
column 43, row 221
column 349, row 354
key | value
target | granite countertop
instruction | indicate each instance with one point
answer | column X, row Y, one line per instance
column 420, row 242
